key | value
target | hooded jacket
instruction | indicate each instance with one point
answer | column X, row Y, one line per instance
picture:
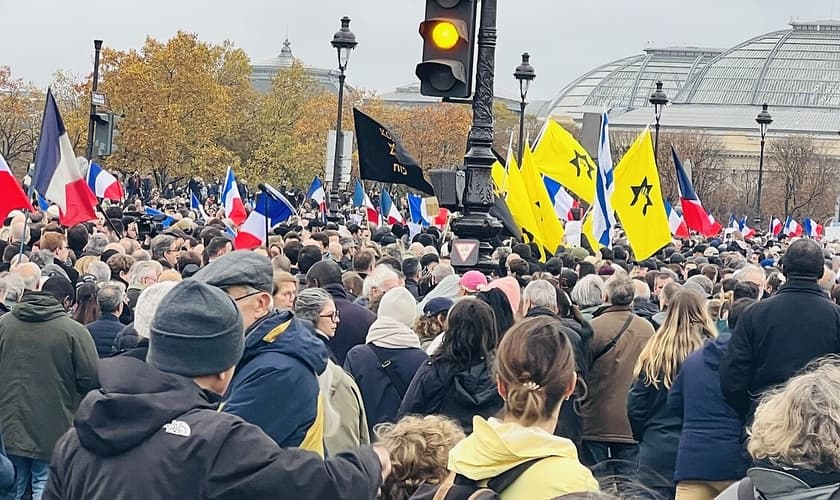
column 275, row 386
column 47, row 363
column 150, row 434
column 712, row 441
column 354, row 325
column 439, row 387
column 495, row 447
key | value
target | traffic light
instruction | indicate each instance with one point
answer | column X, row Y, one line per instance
column 104, row 125
column 448, row 45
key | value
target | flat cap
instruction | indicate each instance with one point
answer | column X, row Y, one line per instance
column 239, row 268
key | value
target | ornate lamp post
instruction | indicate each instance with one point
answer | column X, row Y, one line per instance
column 659, row 99
column 476, row 222
column 344, row 41
column 764, row 120
column 524, row 74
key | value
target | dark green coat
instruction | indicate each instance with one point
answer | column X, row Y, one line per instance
column 47, row 363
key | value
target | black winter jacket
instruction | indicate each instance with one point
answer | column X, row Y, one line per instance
column 149, row 434
column 383, row 388
column 776, row 338
column 657, row 429
column 440, row 388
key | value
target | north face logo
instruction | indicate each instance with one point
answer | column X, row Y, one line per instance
column 178, row 428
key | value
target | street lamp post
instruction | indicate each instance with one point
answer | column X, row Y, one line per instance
column 344, row 41
column 97, row 45
column 476, row 221
column 524, row 74
column 659, row 99
column 764, row 120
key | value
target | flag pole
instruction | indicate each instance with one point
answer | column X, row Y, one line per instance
column 31, row 190
column 267, row 222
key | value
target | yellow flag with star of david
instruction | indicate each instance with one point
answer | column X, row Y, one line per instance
column 560, row 156
column 637, row 199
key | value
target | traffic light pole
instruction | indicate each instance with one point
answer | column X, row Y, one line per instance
column 476, row 221
column 97, row 45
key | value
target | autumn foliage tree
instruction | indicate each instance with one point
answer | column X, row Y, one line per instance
column 21, row 106
column 180, row 103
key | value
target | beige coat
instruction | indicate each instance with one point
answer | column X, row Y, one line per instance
column 345, row 399
column 610, row 377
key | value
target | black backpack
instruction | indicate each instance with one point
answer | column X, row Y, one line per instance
column 762, row 483
column 458, row 487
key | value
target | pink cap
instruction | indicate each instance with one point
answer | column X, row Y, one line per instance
column 473, row 281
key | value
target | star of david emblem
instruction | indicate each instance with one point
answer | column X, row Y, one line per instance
column 581, row 161
column 642, row 189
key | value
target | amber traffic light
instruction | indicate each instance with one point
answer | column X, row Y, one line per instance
column 448, row 33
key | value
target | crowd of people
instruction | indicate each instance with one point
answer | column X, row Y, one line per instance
column 345, row 361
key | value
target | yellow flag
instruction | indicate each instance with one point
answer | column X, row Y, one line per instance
column 560, row 156
column 517, row 198
column 637, row 199
column 587, row 231
column 551, row 231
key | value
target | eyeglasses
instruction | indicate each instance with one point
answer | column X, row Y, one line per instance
column 242, row 297
column 332, row 315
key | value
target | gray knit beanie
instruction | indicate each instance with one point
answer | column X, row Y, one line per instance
column 197, row 331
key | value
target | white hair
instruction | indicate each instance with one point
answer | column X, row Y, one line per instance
column 30, row 274
column 381, row 274
column 100, row 270
column 147, row 304
column 143, row 269
column 540, row 293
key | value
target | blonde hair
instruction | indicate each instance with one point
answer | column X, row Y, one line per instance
column 798, row 424
column 687, row 325
column 84, row 263
column 169, row 275
column 419, row 448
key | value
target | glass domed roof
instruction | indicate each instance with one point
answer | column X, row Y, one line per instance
column 629, row 82
column 797, row 67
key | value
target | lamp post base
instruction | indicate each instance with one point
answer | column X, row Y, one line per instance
column 481, row 227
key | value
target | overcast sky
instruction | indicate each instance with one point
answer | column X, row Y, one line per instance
column 565, row 38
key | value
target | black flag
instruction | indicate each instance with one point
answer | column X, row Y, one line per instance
column 383, row 158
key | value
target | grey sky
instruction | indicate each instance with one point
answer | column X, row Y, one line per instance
column 565, row 38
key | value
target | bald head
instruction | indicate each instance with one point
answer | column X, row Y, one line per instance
column 641, row 290
column 30, row 273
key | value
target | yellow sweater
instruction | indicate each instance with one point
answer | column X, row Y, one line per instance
column 495, row 447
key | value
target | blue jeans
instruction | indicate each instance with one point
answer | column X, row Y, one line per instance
column 26, row 469
column 610, row 459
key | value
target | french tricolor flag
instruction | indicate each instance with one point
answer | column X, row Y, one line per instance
column 270, row 208
column 104, row 184
column 775, row 226
column 318, row 194
column 792, row 228
column 418, row 212
column 812, row 229
column 696, row 217
column 13, row 196
column 389, row 210
column 746, row 231
column 57, row 176
column 361, row 199
column 234, row 208
column 676, row 222
column 563, row 201
column 733, row 223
